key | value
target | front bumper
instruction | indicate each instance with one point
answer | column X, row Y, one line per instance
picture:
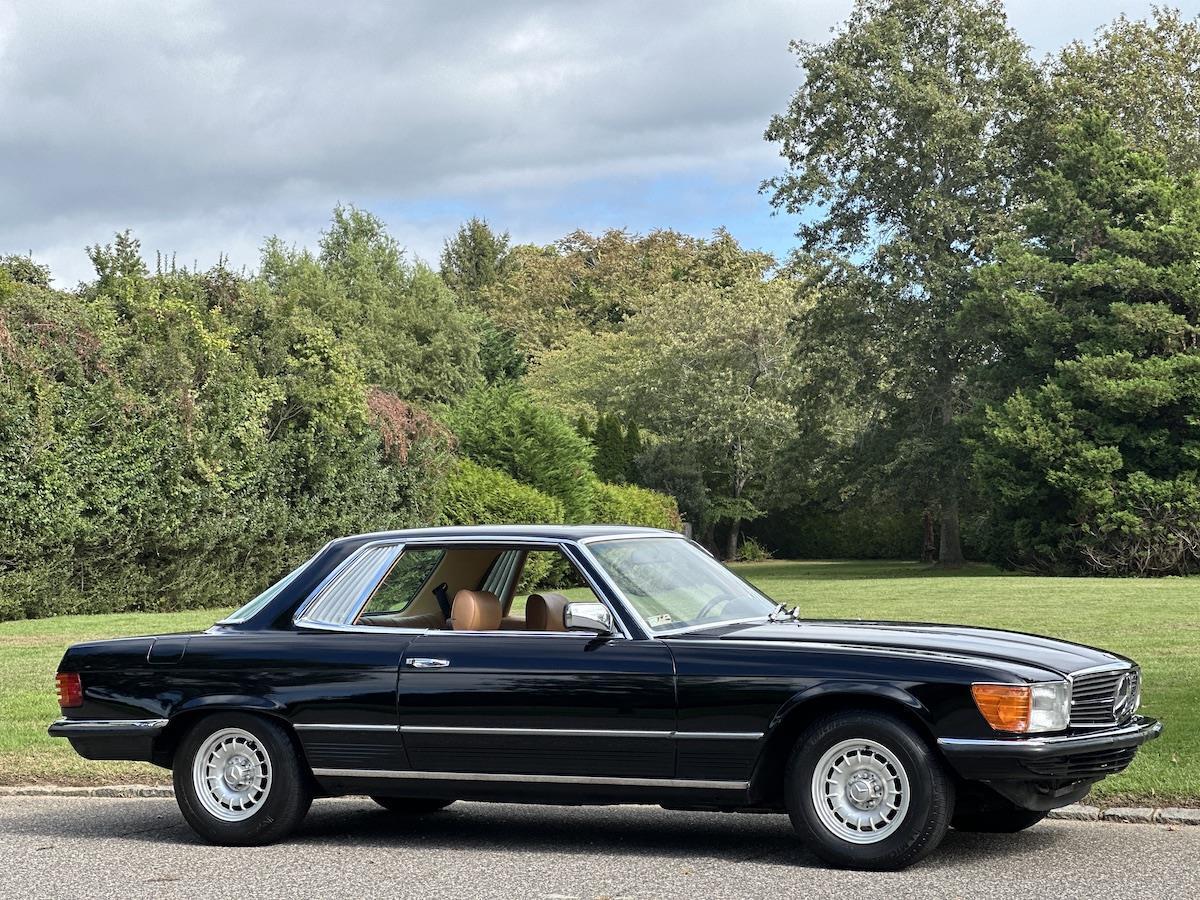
column 1060, row 758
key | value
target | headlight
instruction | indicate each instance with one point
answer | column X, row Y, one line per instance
column 1025, row 708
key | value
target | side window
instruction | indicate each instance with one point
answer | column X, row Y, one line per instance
column 403, row 583
column 549, row 571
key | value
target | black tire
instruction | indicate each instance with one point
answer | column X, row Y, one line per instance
column 276, row 812
column 412, row 806
column 996, row 821
column 916, row 832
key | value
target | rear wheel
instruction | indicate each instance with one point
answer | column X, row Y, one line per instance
column 412, row 806
column 866, row 792
column 238, row 780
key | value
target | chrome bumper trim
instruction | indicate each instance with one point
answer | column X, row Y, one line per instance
column 534, row 779
column 65, row 725
column 1141, row 728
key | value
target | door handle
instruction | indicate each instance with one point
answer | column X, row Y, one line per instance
column 424, row 662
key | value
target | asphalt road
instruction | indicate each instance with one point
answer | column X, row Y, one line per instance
column 87, row 847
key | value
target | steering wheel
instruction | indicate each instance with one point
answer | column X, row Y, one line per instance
column 713, row 604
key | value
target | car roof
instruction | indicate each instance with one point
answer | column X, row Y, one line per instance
column 515, row 532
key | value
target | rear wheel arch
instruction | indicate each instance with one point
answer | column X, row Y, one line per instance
column 767, row 780
column 181, row 724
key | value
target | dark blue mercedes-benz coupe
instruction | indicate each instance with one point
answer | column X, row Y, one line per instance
column 598, row 664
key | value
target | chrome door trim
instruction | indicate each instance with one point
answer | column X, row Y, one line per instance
column 338, row 726
column 534, row 779
column 533, row 732
column 539, row 732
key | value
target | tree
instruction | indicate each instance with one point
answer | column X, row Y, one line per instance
column 906, row 146
column 585, row 283
column 475, row 258
column 1143, row 74
column 711, row 367
column 1090, row 464
column 399, row 321
column 502, row 428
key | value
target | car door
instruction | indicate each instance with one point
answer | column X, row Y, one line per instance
column 568, row 704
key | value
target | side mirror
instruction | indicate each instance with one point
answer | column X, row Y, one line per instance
column 588, row 617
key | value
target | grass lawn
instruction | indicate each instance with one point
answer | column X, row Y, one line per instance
column 1157, row 622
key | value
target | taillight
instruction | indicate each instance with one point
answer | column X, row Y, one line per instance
column 70, row 690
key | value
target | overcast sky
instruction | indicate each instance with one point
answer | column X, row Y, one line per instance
column 205, row 126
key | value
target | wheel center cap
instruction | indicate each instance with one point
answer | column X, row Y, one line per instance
column 235, row 773
column 864, row 790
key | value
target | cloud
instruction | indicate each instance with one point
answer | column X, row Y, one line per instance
column 205, row 126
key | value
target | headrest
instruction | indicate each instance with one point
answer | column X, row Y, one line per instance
column 544, row 612
column 475, row 611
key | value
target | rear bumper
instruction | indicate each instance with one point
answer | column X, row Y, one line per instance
column 1065, row 758
column 125, row 739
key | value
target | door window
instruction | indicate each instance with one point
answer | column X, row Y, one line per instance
column 403, row 583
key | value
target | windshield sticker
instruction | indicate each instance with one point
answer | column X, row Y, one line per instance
column 657, row 621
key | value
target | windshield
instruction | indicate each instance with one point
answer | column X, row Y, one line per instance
column 673, row 584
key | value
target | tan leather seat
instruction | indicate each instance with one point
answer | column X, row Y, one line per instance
column 475, row 611
column 544, row 612
column 512, row 623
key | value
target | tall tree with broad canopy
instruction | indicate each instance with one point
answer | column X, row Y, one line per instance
column 906, row 147
column 1145, row 75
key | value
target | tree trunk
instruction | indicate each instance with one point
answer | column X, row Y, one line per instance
column 928, row 544
column 731, row 545
column 950, row 555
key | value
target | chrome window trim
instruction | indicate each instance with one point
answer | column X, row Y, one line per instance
column 67, row 724
column 641, row 536
column 302, row 619
column 533, row 779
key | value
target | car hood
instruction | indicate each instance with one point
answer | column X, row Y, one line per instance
column 989, row 644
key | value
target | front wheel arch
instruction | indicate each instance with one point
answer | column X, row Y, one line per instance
column 766, row 782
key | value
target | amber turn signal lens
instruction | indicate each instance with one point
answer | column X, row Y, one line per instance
column 70, row 690
column 1006, row 707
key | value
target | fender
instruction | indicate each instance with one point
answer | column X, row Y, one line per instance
column 214, row 702
column 871, row 689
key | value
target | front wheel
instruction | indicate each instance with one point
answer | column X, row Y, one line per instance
column 238, row 780
column 866, row 792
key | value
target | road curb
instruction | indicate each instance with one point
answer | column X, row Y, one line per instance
column 120, row 790
column 1076, row 812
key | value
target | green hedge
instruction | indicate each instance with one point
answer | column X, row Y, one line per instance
column 624, row 504
column 181, row 440
column 476, row 495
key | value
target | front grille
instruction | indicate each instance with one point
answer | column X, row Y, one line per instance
column 1083, row 765
column 1093, row 694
